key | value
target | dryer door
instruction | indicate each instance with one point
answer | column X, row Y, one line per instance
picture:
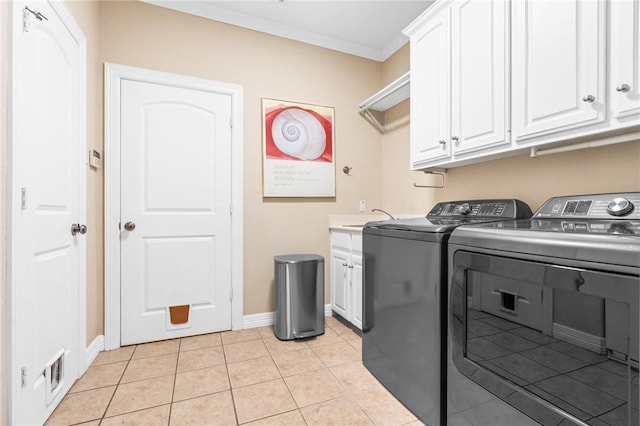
column 555, row 342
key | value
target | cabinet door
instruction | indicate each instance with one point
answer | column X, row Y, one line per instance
column 624, row 78
column 430, row 92
column 558, row 66
column 479, row 75
column 340, row 288
column 356, row 290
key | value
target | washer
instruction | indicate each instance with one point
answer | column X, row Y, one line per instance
column 543, row 316
column 405, row 281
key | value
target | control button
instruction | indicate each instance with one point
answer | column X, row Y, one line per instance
column 464, row 209
column 619, row 207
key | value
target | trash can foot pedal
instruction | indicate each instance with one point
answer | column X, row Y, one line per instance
column 306, row 334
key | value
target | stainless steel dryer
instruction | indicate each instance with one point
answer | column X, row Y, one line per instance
column 404, row 307
column 543, row 316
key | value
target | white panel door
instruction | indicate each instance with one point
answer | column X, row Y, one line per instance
column 479, row 78
column 176, row 191
column 48, row 153
column 558, row 68
column 430, row 92
column 624, row 55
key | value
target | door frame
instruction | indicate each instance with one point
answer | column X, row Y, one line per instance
column 113, row 76
column 13, row 200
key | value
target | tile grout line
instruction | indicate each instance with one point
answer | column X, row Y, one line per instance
column 226, row 367
column 104, row 413
column 288, row 389
column 175, row 378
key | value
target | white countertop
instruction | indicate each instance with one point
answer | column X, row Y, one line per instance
column 352, row 222
column 355, row 222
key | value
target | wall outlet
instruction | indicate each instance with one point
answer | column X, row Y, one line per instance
column 363, row 206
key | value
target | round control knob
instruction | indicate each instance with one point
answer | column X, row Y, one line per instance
column 464, row 209
column 619, row 207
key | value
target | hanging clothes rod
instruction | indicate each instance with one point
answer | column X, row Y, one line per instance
column 441, row 174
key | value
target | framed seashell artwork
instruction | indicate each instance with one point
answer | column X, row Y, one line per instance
column 298, row 147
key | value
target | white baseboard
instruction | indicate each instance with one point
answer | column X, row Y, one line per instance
column 579, row 338
column 94, row 349
column 265, row 319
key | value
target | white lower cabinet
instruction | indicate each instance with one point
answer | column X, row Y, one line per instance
column 346, row 275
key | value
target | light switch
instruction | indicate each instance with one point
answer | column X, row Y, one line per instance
column 95, row 159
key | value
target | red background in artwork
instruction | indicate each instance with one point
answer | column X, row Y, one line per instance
column 273, row 152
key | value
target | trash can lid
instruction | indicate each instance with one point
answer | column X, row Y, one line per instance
column 298, row 258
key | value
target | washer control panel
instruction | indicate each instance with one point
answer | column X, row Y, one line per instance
column 597, row 206
column 504, row 209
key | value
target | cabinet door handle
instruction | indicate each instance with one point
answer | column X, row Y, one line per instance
column 442, row 142
column 623, row 88
column 344, row 265
column 350, row 266
column 589, row 98
column 455, row 139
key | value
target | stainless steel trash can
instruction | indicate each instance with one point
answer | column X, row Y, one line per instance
column 299, row 282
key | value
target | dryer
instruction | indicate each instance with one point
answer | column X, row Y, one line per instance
column 543, row 316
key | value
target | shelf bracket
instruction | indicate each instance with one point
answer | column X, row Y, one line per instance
column 441, row 174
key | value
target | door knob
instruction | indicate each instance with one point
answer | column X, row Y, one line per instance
column 129, row 226
column 76, row 229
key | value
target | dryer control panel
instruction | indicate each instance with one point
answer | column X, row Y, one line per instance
column 623, row 205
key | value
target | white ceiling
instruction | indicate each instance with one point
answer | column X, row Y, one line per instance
column 368, row 28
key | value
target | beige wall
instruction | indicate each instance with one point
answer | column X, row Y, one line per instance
column 146, row 36
column 87, row 15
column 397, row 191
column 533, row 180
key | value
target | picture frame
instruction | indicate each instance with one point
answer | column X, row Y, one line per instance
column 298, row 149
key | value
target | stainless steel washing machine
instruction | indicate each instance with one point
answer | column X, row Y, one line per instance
column 543, row 316
column 404, row 306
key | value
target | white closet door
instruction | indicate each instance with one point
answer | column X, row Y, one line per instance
column 175, row 211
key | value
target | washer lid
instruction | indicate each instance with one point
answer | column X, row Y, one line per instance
column 423, row 224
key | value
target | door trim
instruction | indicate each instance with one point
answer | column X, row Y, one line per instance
column 113, row 76
column 13, row 199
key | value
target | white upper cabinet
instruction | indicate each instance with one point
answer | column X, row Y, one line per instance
column 558, row 66
column 624, row 51
column 496, row 78
column 479, row 75
column 430, row 91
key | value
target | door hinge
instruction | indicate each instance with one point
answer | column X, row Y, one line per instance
column 23, row 198
column 23, row 377
column 26, row 26
column 231, row 208
column 231, row 121
column 26, row 12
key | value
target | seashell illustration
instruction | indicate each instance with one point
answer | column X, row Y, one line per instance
column 299, row 134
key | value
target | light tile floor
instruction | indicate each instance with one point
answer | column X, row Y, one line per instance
column 234, row 377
